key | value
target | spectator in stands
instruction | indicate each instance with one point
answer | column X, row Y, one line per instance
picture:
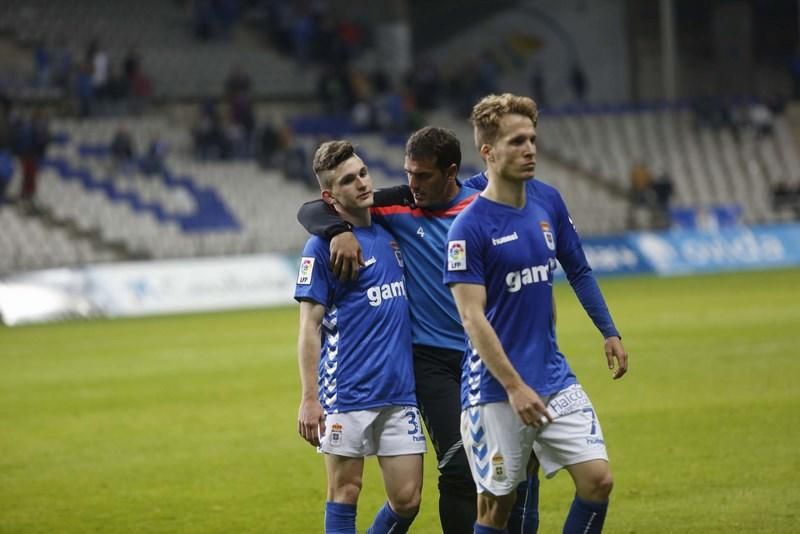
column 101, row 67
column 123, row 153
column 303, row 34
column 153, row 162
column 6, row 172
column 538, row 86
column 32, row 136
column 292, row 159
column 63, row 66
column 268, row 145
column 578, row 82
column 139, row 86
column 794, row 69
column 662, row 190
column 334, row 90
column 210, row 136
column 786, row 197
column 6, row 157
column 641, row 196
column 203, row 19
column 426, row 83
column 761, row 119
column 43, row 62
column 84, row 90
column 238, row 82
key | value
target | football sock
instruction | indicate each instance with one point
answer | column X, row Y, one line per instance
column 481, row 529
column 340, row 518
column 585, row 517
column 387, row 521
column 524, row 518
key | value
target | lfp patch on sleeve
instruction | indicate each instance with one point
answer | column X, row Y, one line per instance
column 457, row 255
column 306, row 270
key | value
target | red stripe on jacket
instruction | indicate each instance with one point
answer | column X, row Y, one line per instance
column 421, row 212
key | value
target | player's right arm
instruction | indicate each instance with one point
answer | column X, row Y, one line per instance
column 311, row 417
column 471, row 303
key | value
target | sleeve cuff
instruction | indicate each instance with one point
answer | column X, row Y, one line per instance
column 337, row 229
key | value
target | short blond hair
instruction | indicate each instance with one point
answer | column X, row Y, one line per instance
column 487, row 113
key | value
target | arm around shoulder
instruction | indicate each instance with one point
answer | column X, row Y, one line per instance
column 320, row 220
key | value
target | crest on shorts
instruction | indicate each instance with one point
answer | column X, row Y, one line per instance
column 306, row 270
column 548, row 235
column 498, row 467
column 336, row 435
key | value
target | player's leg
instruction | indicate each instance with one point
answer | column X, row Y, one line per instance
column 574, row 441
column 438, row 378
column 524, row 518
column 344, row 487
column 593, row 484
column 399, row 445
column 498, row 446
column 347, row 440
column 402, row 479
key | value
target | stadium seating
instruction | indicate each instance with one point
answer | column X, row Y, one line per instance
column 161, row 33
column 708, row 167
column 225, row 208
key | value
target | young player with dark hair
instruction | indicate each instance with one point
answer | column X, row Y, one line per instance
column 354, row 350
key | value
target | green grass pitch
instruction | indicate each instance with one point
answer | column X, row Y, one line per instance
column 188, row 423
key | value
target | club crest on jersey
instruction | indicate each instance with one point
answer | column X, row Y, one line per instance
column 336, row 435
column 397, row 254
column 548, row 235
column 306, row 270
column 457, row 255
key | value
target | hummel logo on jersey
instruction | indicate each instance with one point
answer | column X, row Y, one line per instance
column 529, row 275
column 377, row 294
column 370, row 261
column 505, row 239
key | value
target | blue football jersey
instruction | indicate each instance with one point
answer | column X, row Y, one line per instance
column 365, row 361
column 422, row 234
column 512, row 252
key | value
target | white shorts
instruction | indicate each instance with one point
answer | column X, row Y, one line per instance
column 498, row 443
column 387, row 431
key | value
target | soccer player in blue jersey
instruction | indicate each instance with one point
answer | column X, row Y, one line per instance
column 419, row 216
column 518, row 391
column 354, row 350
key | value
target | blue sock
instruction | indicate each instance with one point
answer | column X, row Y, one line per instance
column 340, row 518
column 387, row 521
column 585, row 517
column 481, row 529
column 524, row 518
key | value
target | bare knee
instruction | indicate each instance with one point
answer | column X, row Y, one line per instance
column 597, row 488
column 406, row 502
column 346, row 492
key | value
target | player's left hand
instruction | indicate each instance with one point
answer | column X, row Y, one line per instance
column 615, row 351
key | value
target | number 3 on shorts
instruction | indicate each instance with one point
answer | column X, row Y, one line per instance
column 412, row 421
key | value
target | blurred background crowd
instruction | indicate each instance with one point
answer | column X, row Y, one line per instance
column 161, row 129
